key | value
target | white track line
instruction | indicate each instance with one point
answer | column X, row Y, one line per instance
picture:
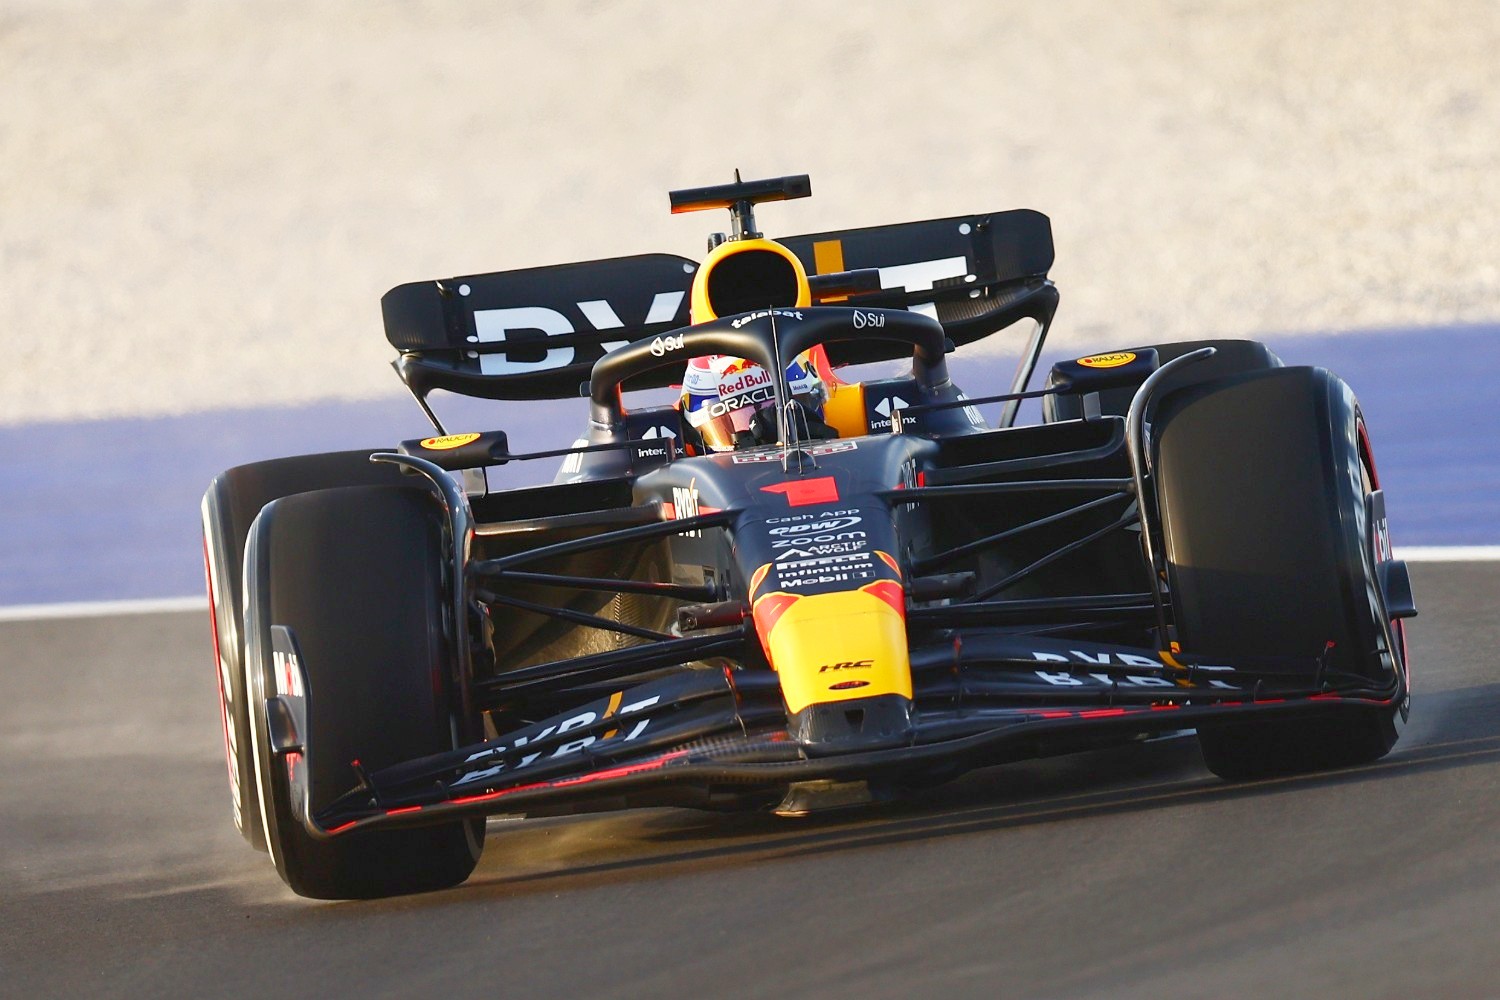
column 166, row 605
column 101, row 609
column 1448, row 553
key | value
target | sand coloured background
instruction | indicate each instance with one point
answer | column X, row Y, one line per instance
column 202, row 202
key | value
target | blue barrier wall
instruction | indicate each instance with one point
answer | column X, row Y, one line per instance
column 108, row 510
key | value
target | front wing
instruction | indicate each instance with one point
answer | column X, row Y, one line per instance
column 709, row 731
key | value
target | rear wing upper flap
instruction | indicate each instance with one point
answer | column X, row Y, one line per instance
column 536, row 333
column 975, row 274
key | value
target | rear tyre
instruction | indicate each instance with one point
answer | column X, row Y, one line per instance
column 357, row 574
column 1231, row 357
column 1262, row 482
column 230, row 505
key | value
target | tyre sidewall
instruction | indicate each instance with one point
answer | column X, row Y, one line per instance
column 1340, row 521
column 1271, row 551
column 222, row 569
column 230, row 505
column 382, row 717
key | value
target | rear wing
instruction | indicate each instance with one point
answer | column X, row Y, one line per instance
column 536, row 333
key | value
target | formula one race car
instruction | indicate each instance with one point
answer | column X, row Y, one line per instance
column 788, row 590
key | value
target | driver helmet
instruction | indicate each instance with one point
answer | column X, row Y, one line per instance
column 721, row 396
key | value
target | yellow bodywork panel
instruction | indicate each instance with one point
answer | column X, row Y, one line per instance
column 845, row 410
column 838, row 647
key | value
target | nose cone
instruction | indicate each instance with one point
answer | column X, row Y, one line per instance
column 838, row 646
column 843, row 663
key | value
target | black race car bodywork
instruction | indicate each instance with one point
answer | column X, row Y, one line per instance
column 1194, row 538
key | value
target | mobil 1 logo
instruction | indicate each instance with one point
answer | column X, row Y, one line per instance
column 851, row 568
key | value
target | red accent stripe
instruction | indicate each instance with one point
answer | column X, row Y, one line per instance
column 563, row 783
column 822, row 367
column 768, row 611
column 1398, row 627
column 804, row 492
column 487, row 796
column 213, row 629
column 890, row 592
column 1369, row 453
column 616, row 772
column 757, row 578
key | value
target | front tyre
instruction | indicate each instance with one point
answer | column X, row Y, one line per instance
column 229, row 507
column 357, row 575
column 1263, row 481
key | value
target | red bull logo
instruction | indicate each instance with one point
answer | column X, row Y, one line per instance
column 748, row 379
column 730, row 366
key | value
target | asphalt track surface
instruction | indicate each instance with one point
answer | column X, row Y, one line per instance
column 1129, row 873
